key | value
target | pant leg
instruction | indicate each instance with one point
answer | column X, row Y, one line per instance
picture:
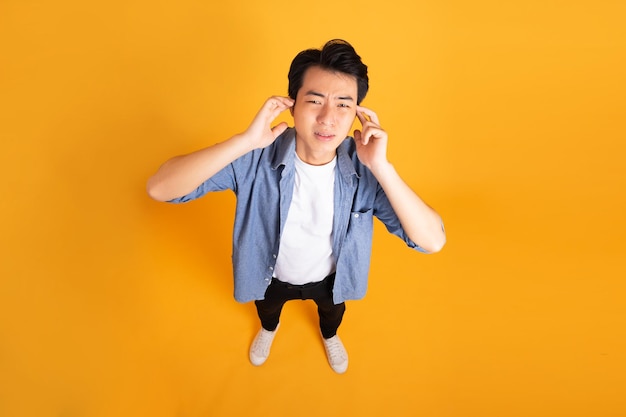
column 269, row 309
column 330, row 314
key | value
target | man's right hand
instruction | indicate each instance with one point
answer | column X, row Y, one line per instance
column 260, row 133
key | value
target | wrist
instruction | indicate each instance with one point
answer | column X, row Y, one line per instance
column 243, row 142
column 382, row 169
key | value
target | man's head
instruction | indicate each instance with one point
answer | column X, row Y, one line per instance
column 326, row 86
column 336, row 56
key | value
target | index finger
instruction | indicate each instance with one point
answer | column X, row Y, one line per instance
column 279, row 102
column 372, row 115
column 361, row 118
column 276, row 105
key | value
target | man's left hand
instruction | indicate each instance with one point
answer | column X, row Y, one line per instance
column 371, row 142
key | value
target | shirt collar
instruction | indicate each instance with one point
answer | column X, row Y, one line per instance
column 285, row 149
column 344, row 161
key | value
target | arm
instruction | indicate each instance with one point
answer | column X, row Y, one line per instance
column 182, row 174
column 420, row 222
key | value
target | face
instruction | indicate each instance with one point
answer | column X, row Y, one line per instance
column 323, row 114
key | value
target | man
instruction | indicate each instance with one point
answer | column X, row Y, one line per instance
column 306, row 196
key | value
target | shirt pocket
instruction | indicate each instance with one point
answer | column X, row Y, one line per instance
column 361, row 223
column 356, row 250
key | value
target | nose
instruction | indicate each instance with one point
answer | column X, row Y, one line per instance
column 326, row 116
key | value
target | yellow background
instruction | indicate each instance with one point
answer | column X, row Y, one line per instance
column 507, row 117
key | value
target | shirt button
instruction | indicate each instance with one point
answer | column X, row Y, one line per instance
column 356, row 215
column 274, row 256
column 271, row 268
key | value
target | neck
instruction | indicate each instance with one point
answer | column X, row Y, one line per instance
column 315, row 158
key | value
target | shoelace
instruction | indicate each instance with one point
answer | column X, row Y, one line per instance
column 262, row 344
column 336, row 352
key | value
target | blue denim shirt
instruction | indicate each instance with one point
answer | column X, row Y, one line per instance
column 263, row 182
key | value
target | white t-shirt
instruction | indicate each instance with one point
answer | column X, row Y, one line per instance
column 306, row 253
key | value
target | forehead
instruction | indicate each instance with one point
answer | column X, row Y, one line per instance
column 326, row 82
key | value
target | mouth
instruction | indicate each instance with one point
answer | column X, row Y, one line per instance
column 324, row 136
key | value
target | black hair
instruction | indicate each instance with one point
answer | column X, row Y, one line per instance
column 338, row 56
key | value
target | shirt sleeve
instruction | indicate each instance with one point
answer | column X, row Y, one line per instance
column 224, row 179
column 385, row 213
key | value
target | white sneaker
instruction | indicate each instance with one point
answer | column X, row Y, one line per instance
column 336, row 353
column 260, row 348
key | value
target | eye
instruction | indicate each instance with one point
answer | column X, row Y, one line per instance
column 314, row 102
column 345, row 105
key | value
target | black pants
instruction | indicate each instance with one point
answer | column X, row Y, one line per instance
column 278, row 293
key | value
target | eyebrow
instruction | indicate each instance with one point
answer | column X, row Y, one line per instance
column 315, row 93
